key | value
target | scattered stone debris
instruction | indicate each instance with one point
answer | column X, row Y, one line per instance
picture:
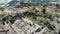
column 38, row 30
column 31, row 20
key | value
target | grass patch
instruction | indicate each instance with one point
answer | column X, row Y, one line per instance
column 49, row 25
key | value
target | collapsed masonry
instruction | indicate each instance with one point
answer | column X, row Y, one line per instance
column 19, row 24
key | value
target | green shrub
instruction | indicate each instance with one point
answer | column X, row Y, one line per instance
column 36, row 11
column 57, row 5
column 19, row 6
column 30, row 15
column 57, row 15
column 1, row 15
column 49, row 15
column 44, row 10
column 33, row 17
column 23, row 5
column 49, row 25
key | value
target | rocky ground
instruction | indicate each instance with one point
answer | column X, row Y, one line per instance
column 42, row 19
